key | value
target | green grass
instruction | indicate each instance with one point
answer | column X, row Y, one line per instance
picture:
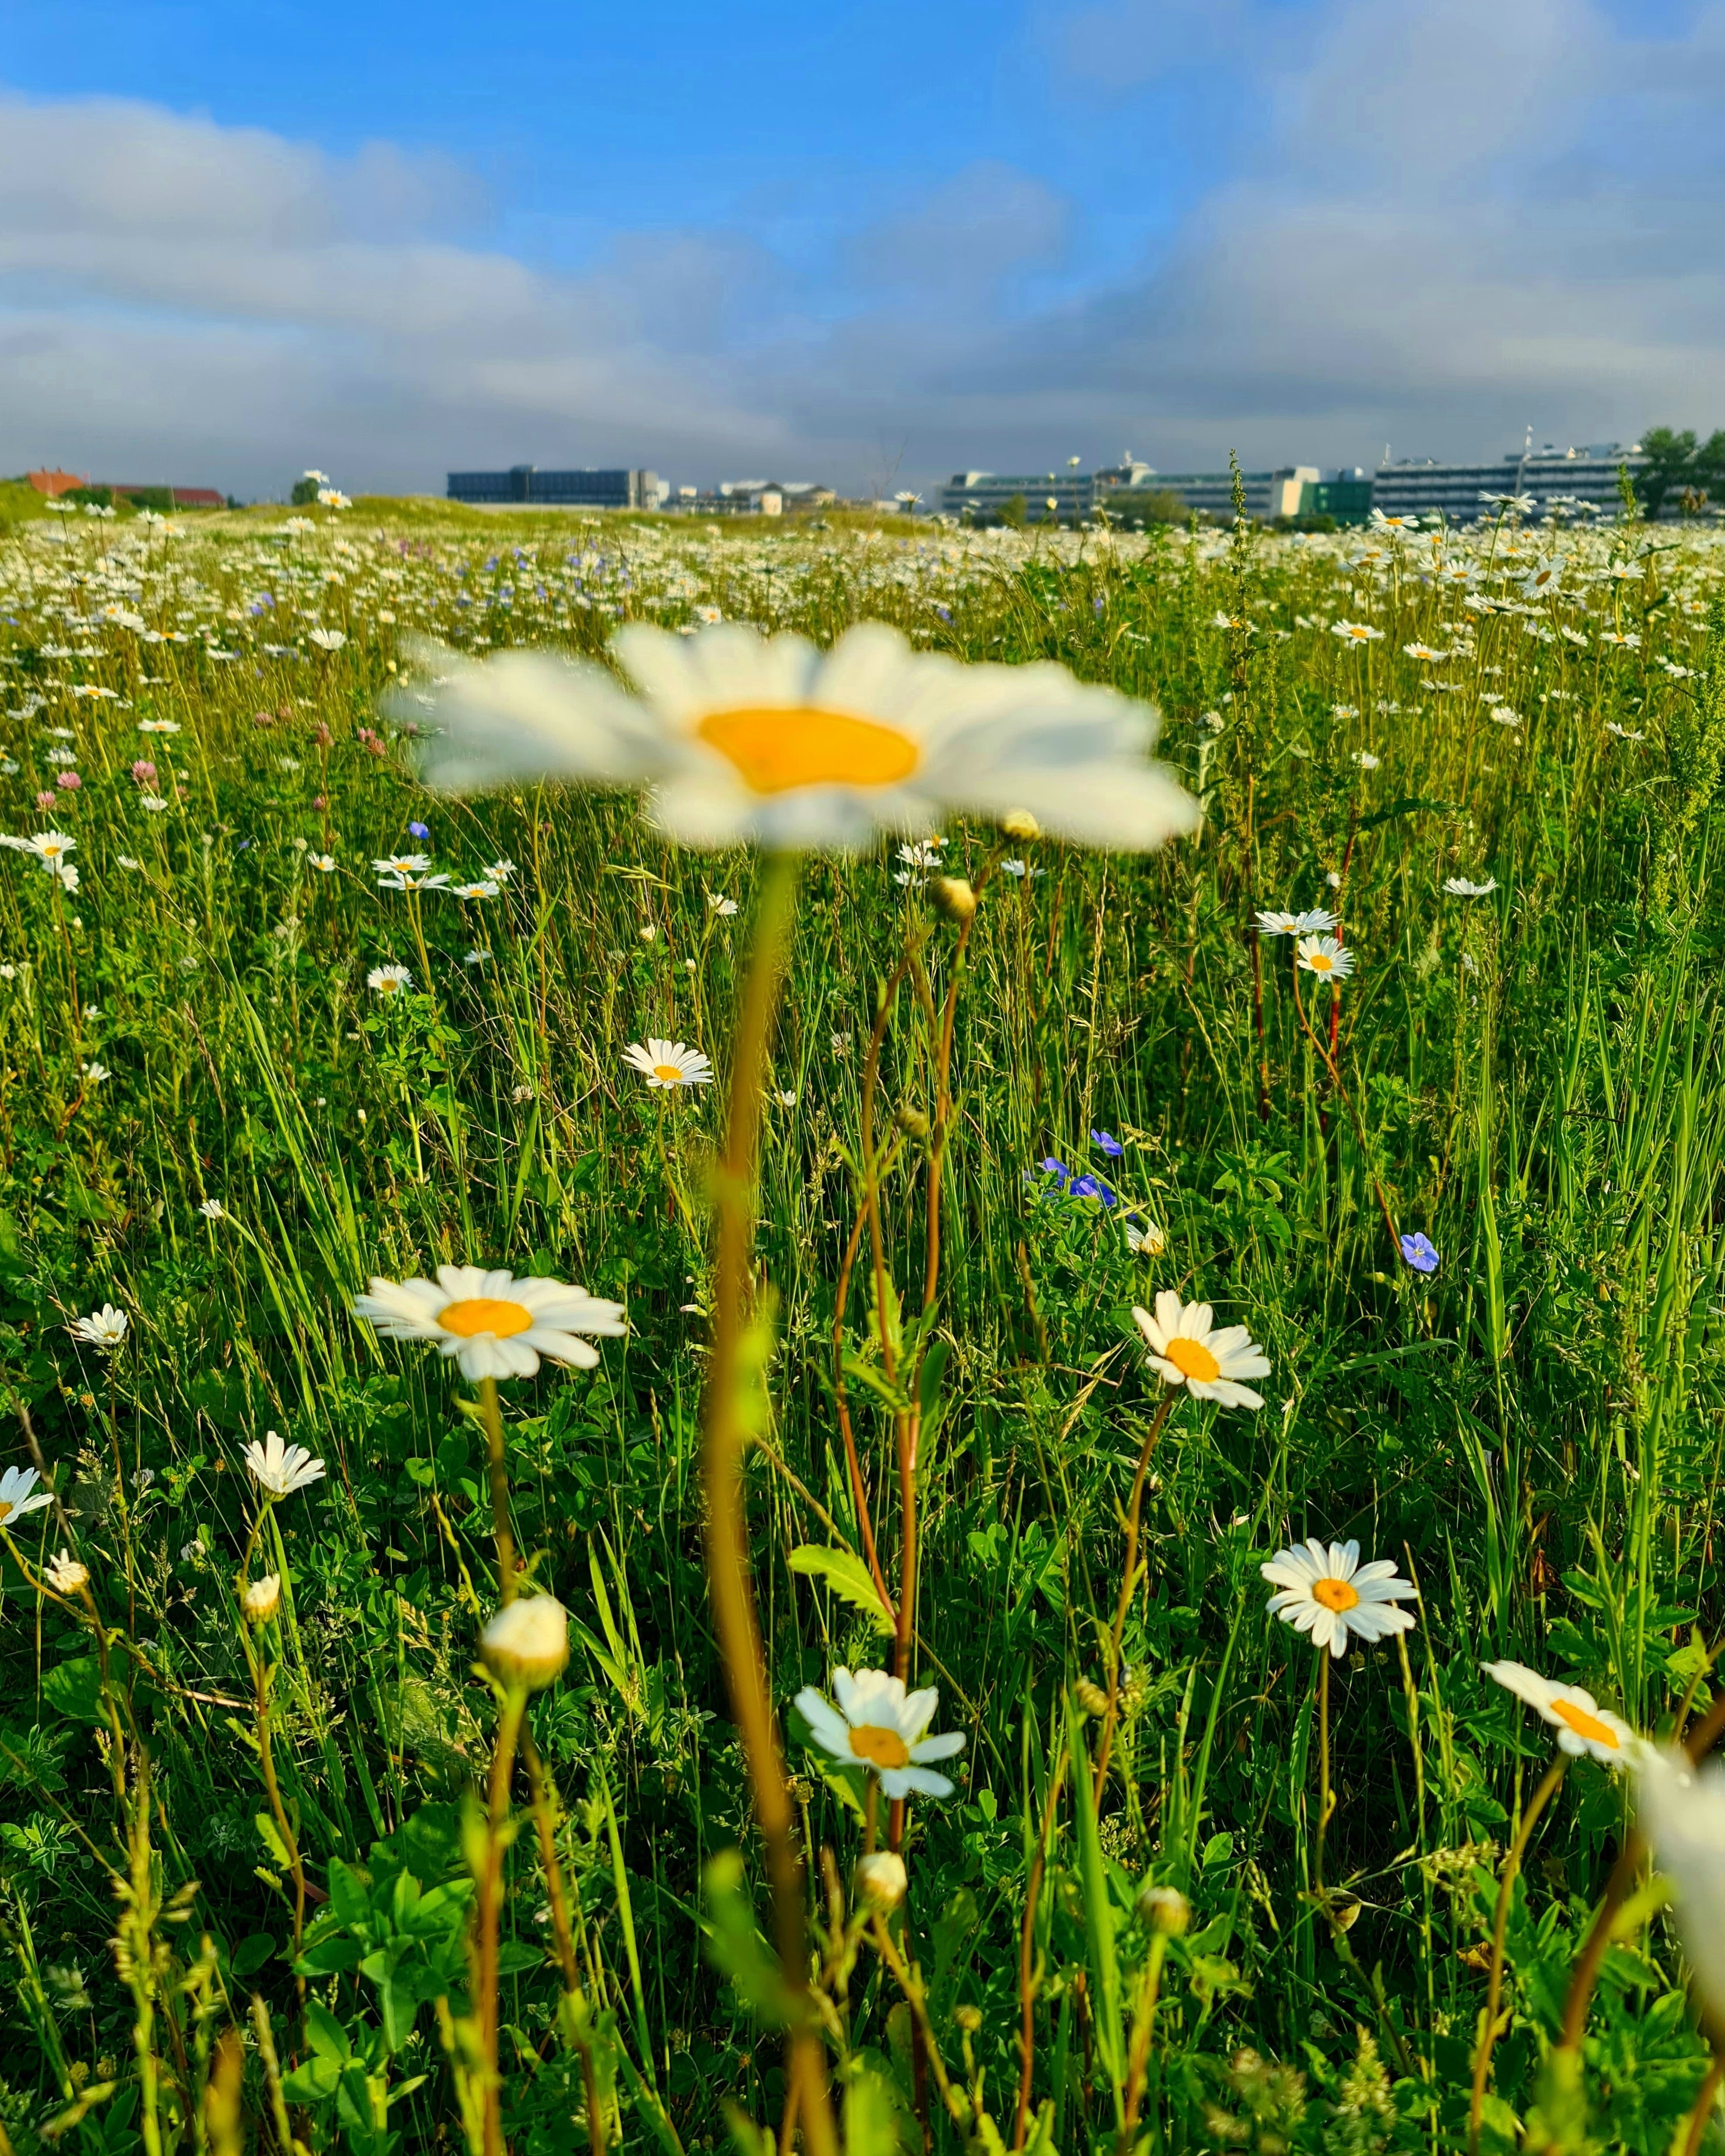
column 1535, row 1433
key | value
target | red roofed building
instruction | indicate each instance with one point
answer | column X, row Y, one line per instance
column 54, row 484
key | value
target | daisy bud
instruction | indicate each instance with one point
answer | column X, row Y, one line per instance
column 261, row 1598
column 1019, row 824
column 953, row 897
column 528, row 1642
column 1091, row 1698
column 968, row 2018
column 1165, row 1909
column 912, row 1121
column 880, row 1881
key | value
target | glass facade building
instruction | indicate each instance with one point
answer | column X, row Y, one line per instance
column 526, row 484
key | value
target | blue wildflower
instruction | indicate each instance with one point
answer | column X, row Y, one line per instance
column 1419, row 1252
column 1092, row 1186
column 1106, row 1142
column 1057, row 1168
column 419, row 830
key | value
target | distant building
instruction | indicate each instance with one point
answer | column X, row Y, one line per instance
column 152, row 495
column 1461, row 494
column 1268, row 494
column 751, row 497
column 526, row 484
column 54, row 484
column 986, row 494
column 1345, row 497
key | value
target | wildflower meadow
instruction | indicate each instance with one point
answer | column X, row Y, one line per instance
column 860, row 1338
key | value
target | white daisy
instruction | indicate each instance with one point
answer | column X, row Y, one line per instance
column 49, row 847
column 389, row 980
column 1186, row 1349
column 880, row 1726
column 485, row 889
column 103, row 1328
column 1584, row 1727
column 403, row 865
column 1328, row 1593
column 325, row 863
column 412, row 882
column 744, row 738
column 1355, row 632
column 1325, row 957
column 19, row 1495
column 1460, row 887
column 668, row 1064
column 1144, row 1239
column 1681, row 1811
column 281, row 1469
column 1316, row 921
column 212, row 1208
column 493, row 1324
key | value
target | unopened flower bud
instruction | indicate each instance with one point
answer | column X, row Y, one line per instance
column 1019, row 824
column 968, row 2018
column 1091, row 1697
column 880, row 1881
column 912, row 1121
column 528, row 1642
column 1165, row 1909
column 261, row 1597
column 953, row 897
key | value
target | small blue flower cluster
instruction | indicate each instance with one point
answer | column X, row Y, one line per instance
column 1087, row 1185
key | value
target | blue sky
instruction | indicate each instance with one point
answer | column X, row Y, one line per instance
column 852, row 242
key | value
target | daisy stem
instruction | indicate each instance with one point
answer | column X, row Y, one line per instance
column 1702, row 2109
column 262, row 1672
column 1500, row 1925
column 1325, row 1801
column 1129, row 1575
column 1585, row 1974
column 491, row 1414
column 729, row 1383
column 491, row 1903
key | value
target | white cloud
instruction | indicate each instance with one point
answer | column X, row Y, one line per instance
column 1431, row 225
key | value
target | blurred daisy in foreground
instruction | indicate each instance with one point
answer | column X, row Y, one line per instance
column 667, row 1065
column 1323, row 956
column 64, row 1574
column 1584, row 1727
column 1187, row 1348
column 879, row 1725
column 1328, row 1593
column 281, row 1469
column 492, row 1324
column 744, row 738
column 1680, row 1809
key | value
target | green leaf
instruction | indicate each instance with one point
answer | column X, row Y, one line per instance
column 271, row 1837
column 848, row 1578
column 324, row 2034
column 252, row 1953
column 735, row 1943
column 74, row 1689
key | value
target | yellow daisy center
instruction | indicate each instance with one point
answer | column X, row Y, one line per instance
column 482, row 1313
column 1320, row 962
column 5, row 1510
column 1336, row 1594
column 776, row 748
column 1193, row 1360
column 881, row 1747
column 1585, row 1724
column 669, row 1074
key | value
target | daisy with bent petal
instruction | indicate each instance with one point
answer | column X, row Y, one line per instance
column 103, row 1328
column 1584, row 1727
column 281, row 1469
column 879, row 1725
column 493, row 1324
column 1330, row 1594
column 1316, row 921
column 1185, row 1348
column 667, row 1065
column 744, row 738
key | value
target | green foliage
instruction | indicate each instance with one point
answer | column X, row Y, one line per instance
column 1534, row 1429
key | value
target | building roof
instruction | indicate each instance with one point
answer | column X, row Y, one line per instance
column 53, row 483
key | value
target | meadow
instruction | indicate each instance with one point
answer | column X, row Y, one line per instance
column 301, row 1846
